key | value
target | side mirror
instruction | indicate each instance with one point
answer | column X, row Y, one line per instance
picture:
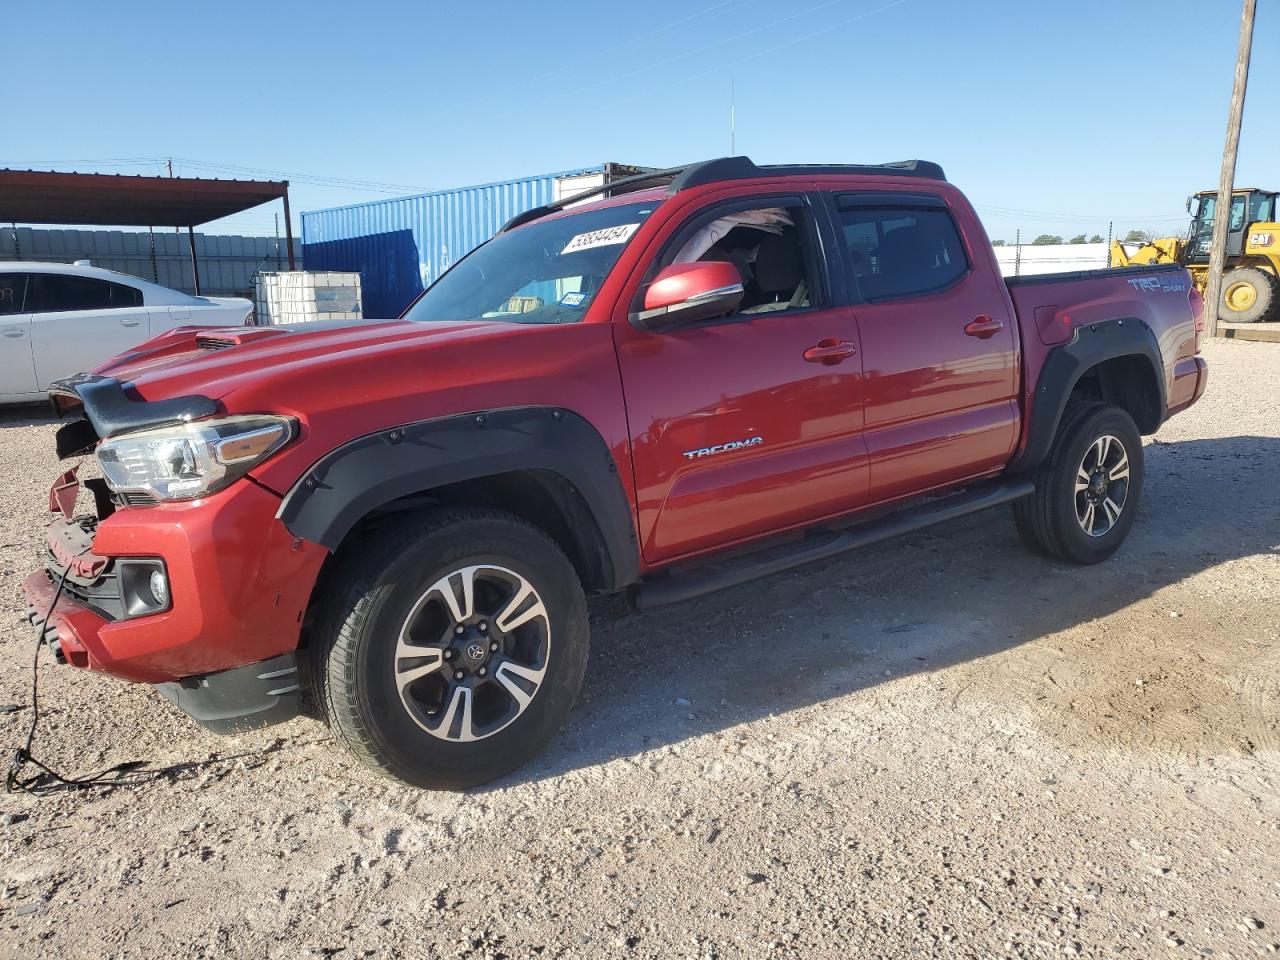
column 689, row 292
column 1190, row 200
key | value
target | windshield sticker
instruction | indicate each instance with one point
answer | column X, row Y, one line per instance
column 573, row 299
column 607, row 237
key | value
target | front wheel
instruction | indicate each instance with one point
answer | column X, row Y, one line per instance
column 1088, row 488
column 453, row 649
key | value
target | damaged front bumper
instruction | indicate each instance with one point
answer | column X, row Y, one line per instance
column 222, row 644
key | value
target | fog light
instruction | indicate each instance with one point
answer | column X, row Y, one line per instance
column 159, row 587
column 144, row 586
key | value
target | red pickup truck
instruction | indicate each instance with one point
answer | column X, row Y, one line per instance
column 704, row 375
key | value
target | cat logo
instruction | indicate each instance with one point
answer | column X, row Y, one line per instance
column 722, row 448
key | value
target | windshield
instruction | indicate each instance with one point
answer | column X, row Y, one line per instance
column 545, row 272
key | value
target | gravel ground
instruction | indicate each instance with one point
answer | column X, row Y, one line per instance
column 938, row 747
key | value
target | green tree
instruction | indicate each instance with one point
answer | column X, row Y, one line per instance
column 997, row 243
column 1045, row 239
column 1137, row 236
column 1078, row 238
column 1096, row 238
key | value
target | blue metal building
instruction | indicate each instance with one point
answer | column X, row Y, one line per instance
column 401, row 246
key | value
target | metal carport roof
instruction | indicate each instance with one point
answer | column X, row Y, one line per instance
column 104, row 199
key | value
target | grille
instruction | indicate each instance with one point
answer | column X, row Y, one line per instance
column 136, row 499
column 101, row 594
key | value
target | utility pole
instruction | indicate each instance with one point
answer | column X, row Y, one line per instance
column 170, row 163
column 1222, row 214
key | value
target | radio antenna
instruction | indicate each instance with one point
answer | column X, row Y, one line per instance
column 732, row 129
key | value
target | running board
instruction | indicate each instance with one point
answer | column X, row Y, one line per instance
column 819, row 546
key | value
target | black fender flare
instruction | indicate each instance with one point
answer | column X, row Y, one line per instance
column 374, row 470
column 1066, row 364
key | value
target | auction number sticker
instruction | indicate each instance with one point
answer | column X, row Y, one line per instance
column 607, row 237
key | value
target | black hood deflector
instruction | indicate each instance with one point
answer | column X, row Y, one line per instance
column 110, row 411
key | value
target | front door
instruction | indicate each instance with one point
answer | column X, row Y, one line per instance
column 751, row 423
column 17, row 371
column 939, row 351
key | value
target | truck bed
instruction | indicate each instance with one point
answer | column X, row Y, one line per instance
column 1052, row 309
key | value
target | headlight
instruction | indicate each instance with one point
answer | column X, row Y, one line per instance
column 190, row 460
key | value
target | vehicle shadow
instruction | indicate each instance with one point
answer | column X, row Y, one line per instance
column 25, row 415
column 965, row 590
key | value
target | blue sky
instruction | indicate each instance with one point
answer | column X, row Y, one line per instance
column 1053, row 117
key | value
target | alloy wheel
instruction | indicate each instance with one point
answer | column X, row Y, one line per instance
column 472, row 653
column 1102, row 485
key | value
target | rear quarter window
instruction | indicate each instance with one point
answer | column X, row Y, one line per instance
column 123, row 295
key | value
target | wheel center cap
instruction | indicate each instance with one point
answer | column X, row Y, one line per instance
column 475, row 652
column 1098, row 484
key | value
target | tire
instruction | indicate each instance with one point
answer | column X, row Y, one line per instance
column 404, row 713
column 1254, row 291
column 1099, row 442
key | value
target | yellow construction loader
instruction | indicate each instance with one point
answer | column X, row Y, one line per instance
column 1251, row 281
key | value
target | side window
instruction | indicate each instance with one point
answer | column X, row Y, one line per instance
column 1237, row 214
column 771, row 248
column 57, row 292
column 13, row 293
column 123, row 295
column 901, row 251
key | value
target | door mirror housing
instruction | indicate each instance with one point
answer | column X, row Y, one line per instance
column 685, row 293
column 1190, row 201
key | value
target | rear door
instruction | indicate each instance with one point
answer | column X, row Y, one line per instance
column 78, row 322
column 939, row 350
column 748, row 424
column 17, row 370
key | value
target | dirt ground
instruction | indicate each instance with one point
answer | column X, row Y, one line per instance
column 943, row 746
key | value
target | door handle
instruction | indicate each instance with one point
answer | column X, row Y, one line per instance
column 13, row 333
column 829, row 351
column 129, row 323
column 983, row 327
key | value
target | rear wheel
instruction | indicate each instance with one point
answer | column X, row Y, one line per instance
column 1088, row 488
column 454, row 649
column 1249, row 295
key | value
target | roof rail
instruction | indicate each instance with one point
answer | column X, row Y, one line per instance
column 733, row 168
column 608, row 186
column 741, row 168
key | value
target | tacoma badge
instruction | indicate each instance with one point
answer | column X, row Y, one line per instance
column 721, row 448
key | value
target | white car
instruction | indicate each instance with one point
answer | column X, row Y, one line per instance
column 59, row 319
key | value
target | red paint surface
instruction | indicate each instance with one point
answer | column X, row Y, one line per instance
column 854, row 406
column 238, row 582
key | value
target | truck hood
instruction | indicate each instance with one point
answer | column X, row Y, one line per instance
column 214, row 361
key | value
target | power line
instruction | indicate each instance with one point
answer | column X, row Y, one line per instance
column 374, row 186
column 760, row 53
column 314, row 179
column 670, row 25
column 1072, row 217
column 649, row 65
